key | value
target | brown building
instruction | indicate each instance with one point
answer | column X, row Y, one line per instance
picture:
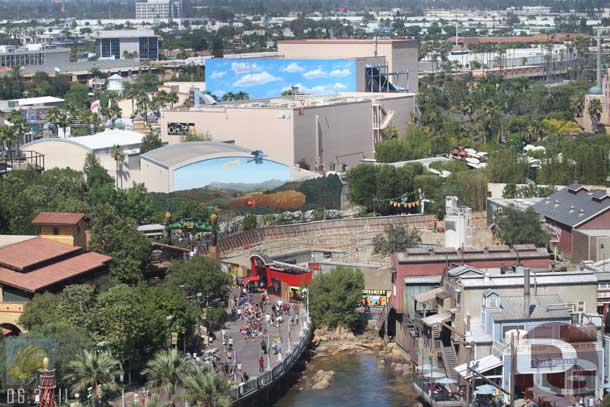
column 34, row 264
column 67, row 228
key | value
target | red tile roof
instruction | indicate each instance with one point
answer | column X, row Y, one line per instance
column 29, row 253
column 58, row 218
column 54, row 273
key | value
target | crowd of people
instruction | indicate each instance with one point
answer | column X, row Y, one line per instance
column 259, row 318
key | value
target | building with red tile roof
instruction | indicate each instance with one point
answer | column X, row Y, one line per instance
column 39, row 264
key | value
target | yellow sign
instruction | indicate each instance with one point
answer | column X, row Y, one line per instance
column 174, row 338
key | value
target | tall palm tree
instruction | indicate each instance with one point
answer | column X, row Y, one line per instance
column 595, row 113
column 165, row 369
column 95, row 370
column 7, row 138
column 142, row 105
column 206, row 388
column 117, row 155
column 56, row 117
column 19, row 126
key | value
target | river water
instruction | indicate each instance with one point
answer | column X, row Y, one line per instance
column 357, row 382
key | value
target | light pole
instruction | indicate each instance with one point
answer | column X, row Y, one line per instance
column 305, row 293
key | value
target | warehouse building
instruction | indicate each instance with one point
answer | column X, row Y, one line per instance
column 326, row 132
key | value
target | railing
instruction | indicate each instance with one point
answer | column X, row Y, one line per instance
column 11, row 160
column 244, row 390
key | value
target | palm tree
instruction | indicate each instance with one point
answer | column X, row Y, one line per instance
column 117, row 155
column 56, row 117
column 165, row 369
column 19, row 126
column 95, row 370
column 7, row 138
column 172, row 99
column 131, row 93
column 142, row 105
column 595, row 113
column 206, row 388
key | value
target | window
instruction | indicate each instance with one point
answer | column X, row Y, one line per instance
column 581, row 306
column 492, row 302
column 55, row 230
column 571, row 307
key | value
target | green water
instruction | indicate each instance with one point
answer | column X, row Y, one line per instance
column 357, row 382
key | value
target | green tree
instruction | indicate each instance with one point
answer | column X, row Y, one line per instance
column 508, row 167
column 97, row 370
column 77, row 305
column 28, row 361
column 595, row 113
column 118, row 237
column 206, row 388
column 95, row 174
column 165, row 370
column 41, row 309
column 131, row 324
column 200, row 275
column 117, row 155
column 249, row 222
column 521, row 227
column 77, row 95
column 395, row 239
column 217, row 47
column 334, row 297
column 19, row 127
column 150, row 141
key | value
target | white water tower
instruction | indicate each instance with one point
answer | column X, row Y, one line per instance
column 456, row 224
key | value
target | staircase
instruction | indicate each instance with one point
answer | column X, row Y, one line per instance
column 450, row 361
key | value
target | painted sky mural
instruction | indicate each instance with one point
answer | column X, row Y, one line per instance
column 263, row 78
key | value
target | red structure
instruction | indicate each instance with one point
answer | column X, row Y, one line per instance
column 433, row 262
column 272, row 273
column 47, row 386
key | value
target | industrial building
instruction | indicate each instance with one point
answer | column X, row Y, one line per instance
column 398, row 58
column 326, row 132
column 12, row 56
column 127, row 44
column 158, row 9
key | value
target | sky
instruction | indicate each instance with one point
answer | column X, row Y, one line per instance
column 263, row 78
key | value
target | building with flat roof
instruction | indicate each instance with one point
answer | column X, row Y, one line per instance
column 33, row 55
column 416, row 264
column 71, row 152
column 127, row 44
column 396, row 56
column 326, row 132
column 159, row 9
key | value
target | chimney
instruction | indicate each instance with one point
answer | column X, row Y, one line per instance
column 526, row 291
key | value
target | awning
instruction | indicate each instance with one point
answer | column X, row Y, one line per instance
column 251, row 278
column 482, row 365
column 437, row 318
column 427, row 295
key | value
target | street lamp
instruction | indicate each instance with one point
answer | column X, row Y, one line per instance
column 305, row 294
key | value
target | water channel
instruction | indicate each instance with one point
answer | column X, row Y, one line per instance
column 357, row 382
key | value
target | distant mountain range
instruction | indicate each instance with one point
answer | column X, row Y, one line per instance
column 245, row 187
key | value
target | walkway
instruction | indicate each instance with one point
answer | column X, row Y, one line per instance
column 248, row 349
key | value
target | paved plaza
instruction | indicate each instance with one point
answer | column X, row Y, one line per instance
column 248, row 349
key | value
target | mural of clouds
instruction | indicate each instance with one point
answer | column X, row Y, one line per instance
column 293, row 68
column 339, row 73
column 269, row 77
column 244, row 67
column 315, row 74
column 254, row 79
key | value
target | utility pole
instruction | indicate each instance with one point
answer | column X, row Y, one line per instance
column 512, row 371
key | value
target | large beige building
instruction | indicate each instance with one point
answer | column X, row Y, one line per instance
column 401, row 56
column 327, row 132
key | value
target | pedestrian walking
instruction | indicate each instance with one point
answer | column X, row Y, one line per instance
column 261, row 364
column 264, row 346
column 230, row 343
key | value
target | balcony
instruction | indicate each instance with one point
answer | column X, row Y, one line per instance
column 436, row 395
